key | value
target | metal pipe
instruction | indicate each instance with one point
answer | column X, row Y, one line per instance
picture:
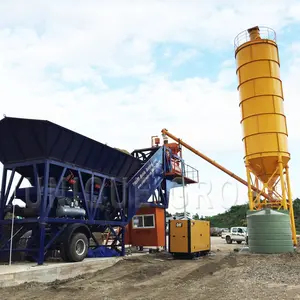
column 241, row 180
column 183, row 189
column 12, row 230
column 183, row 181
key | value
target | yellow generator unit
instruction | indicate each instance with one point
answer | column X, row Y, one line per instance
column 189, row 237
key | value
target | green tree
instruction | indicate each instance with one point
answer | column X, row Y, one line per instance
column 236, row 216
column 181, row 215
column 168, row 214
column 296, row 206
column 196, row 217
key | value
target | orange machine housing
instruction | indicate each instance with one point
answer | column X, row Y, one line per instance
column 147, row 228
column 175, row 163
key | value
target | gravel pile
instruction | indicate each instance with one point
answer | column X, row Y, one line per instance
column 259, row 277
column 220, row 277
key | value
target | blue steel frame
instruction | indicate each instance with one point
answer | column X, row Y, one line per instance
column 190, row 174
column 47, row 230
column 45, row 197
column 44, row 223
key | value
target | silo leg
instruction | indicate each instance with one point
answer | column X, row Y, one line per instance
column 291, row 208
column 282, row 183
column 250, row 195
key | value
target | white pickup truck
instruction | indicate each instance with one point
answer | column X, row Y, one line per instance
column 236, row 234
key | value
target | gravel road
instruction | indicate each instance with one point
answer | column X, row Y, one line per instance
column 224, row 275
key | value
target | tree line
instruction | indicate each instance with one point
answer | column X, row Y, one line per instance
column 188, row 215
column 236, row 216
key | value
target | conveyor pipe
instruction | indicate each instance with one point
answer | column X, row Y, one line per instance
column 241, row 180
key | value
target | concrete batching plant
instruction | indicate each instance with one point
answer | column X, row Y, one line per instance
column 82, row 188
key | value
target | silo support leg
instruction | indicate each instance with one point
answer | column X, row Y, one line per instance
column 250, row 194
column 282, row 183
column 291, row 208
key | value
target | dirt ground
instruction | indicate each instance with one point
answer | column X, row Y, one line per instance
column 223, row 275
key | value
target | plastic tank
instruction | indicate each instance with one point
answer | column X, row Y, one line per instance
column 269, row 231
column 261, row 102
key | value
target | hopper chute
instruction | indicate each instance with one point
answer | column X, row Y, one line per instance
column 30, row 139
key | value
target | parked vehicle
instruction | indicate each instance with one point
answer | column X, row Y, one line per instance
column 224, row 233
column 215, row 231
column 236, row 234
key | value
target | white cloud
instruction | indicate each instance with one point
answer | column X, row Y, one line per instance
column 291, row 91
column 55, row 58
column 184, row 56
column 118, row 36
column 81, row 75
column 226, row 77
column 228, row 63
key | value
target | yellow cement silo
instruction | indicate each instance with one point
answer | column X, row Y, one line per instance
column 261, row 103
column 262, row 115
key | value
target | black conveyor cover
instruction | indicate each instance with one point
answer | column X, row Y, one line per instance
column 29, row 139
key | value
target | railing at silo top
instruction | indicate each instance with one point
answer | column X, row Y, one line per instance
column 244, row 36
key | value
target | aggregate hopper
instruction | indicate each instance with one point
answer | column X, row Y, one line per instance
column 77, row 187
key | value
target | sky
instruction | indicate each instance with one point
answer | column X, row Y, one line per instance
column 120, row 71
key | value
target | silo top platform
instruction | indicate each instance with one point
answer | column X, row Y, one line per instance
column 254, row 33
column 30, row 139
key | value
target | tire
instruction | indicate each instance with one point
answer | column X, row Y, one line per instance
column 228, row 240
column 78, row 247
column 239, row 242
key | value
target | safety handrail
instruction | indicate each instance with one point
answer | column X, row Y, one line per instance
column 244, row 37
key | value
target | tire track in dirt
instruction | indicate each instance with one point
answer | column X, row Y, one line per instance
column 211, row 267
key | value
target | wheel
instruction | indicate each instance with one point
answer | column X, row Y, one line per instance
column 228, row 240
column 78, row 247
column 239, row 242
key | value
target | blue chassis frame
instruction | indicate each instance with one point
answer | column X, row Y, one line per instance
column 47, row 200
